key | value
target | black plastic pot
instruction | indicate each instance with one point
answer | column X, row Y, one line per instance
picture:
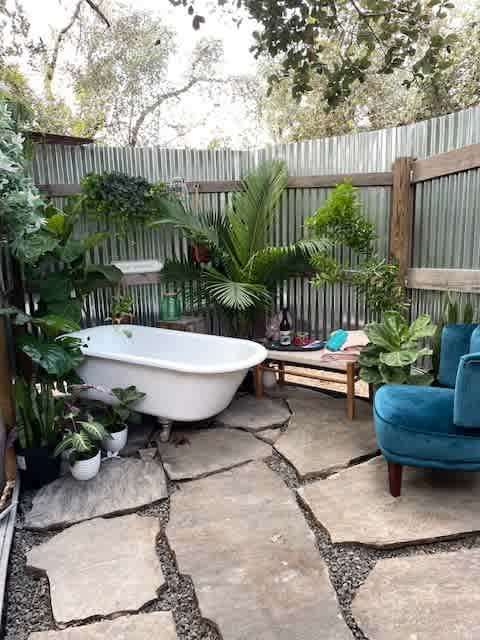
column 37, row 466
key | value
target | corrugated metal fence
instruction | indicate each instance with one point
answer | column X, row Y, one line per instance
column 446, row 229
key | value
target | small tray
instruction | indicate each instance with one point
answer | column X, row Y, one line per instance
column 313, row 346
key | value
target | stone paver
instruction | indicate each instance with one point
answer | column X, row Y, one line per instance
column 421, row 597
column 158, row 625
column 100, row 567
column 320, row 437
column 122, row 485
column 252, row 558
column 356, row 506
column 246, row 412
column 269, row 435
column 198, row 452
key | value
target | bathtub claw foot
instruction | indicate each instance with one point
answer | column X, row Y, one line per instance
column 165, row 430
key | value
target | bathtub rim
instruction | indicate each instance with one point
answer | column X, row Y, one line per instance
column 172, row 365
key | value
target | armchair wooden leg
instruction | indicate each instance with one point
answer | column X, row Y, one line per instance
column 395, row 478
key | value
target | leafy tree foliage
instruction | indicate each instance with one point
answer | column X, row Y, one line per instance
column 381, row 100
column 367, row 32
column 122, row 78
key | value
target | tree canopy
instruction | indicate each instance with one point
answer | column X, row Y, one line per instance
column 387, row 34
column 381, row 100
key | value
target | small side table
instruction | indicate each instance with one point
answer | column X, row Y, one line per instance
column 311, row 360
column 194, row 324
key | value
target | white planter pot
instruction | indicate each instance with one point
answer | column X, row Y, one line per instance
column 86, row 469
column 116, row 442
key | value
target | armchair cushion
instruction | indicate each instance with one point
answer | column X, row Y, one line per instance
column 475, row 341
column 467, row 393
column 414, row 426
column 456, row 342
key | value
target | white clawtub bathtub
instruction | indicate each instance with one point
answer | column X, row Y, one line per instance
column 185, row 376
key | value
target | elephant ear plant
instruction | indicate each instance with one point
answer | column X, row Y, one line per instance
column 394, row 349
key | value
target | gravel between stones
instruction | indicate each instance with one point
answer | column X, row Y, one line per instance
column 28, row 608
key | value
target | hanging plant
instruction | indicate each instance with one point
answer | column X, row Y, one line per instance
column 122, row 199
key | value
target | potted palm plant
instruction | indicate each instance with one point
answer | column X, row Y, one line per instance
column 38, row 414
column 243, row 268
column 82, row 440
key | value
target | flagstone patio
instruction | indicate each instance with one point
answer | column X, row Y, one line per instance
column 230, row 552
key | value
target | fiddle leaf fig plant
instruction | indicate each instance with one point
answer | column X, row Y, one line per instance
column 394, row 349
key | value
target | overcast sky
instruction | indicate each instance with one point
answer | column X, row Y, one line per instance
column 225, row 120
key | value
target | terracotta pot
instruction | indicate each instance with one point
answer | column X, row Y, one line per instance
column 200, row 253
column 125, row 318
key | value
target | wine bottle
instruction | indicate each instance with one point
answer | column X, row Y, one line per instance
column 285, row 329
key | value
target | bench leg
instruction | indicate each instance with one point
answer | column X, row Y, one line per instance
column 281, row 373
column 351, row 390
column 258, row 376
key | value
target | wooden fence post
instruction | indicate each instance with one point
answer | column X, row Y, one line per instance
column 6, row 400
column 401, row 216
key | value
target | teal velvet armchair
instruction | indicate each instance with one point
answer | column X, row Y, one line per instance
column 434, row 427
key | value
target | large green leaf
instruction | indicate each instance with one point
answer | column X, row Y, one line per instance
column 366, row 360
column 70, row 309
column 56, row 223
column 95, row 430
column 236, row 296
column 370, row 375
column 422, row 327
column 395, row 326
column 401, row 358
column 54, row 325
column 58, row 358
column 55, row 287
column 48, row 355
column 110, row 272
column 381, row 336
column 393, row 375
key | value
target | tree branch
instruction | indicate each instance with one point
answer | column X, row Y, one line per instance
column 174, row 93
column 52, row 65
column 98, row 11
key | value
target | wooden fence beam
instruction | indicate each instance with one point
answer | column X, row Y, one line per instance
column 374, row 179
column 401, row 216
column 466, row 280
column 444, row 164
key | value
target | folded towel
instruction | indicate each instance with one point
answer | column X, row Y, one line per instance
column 349, row 351
column 355, row 340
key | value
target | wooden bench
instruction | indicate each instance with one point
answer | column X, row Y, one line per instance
column 310, row 360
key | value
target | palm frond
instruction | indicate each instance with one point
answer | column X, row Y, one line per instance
column 273, row 264
column 232, row 295
column 254, row 209
column 199, row 227
column 180, row 271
